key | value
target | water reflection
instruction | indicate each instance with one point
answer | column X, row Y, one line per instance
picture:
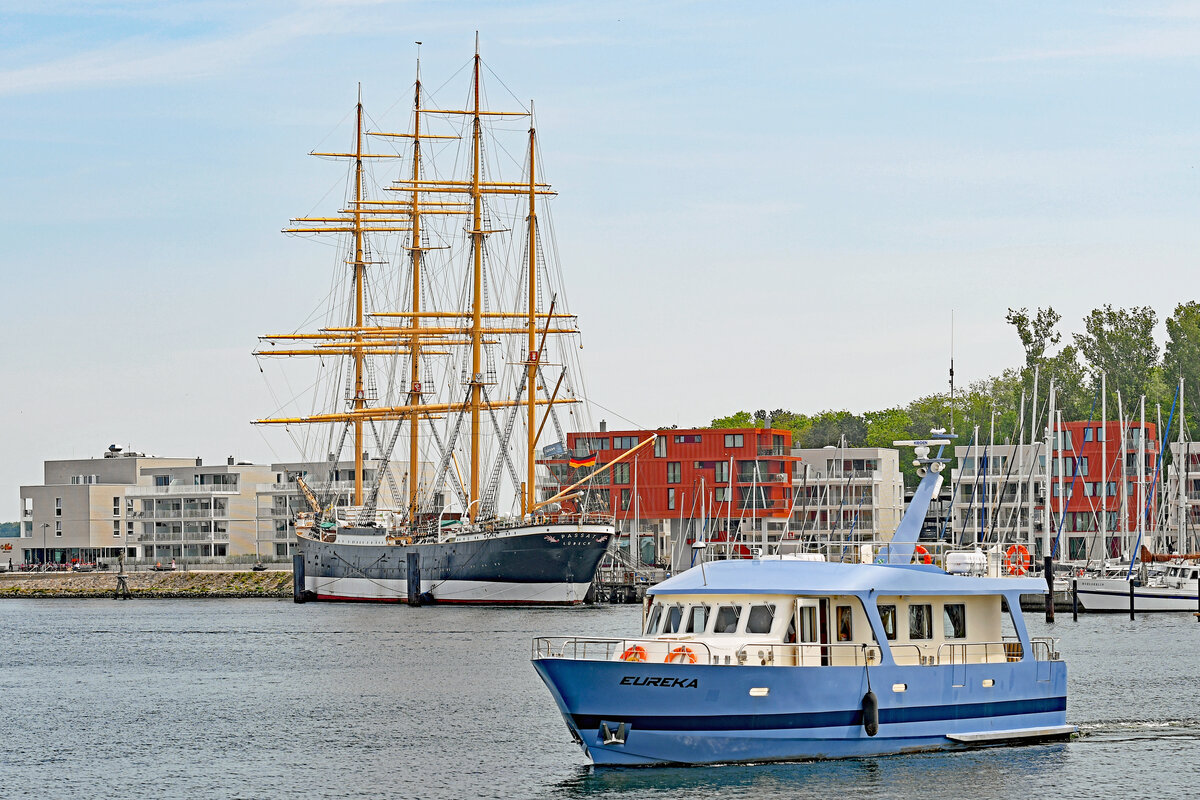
column 902, row 776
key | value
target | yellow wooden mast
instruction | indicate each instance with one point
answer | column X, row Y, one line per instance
column 476, row 383
column 414, row 382
column 529, row 496
column 360, row 396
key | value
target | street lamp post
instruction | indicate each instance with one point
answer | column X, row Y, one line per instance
column 44, row 526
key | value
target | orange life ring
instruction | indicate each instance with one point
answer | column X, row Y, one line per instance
column 922, row 555
column 635, row 653
column 681, row 653
column 1016, row 559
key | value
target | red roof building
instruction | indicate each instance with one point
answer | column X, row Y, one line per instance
column 730, row 480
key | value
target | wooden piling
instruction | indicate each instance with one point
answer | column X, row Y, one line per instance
column 1131, row 598
column 1075, row 599
column 297, row 578
column 413, row 579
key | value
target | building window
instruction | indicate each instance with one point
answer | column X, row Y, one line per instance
column 688, row 438
column 720, row 494
column 162, row 480
column 116, row 530
column 721, row 474
column 660, row 447
column 1112, row 488
column 1077, row 546
column 733, row 440
column 1083, row 466
column 620, row 473
column 116, row 506
column 671, row 497
column 58, row 506
column 129, row 529
column 624, row 442
column 1087, row 434
column 1099, row 434
column 625, row 499
column 58, row 529
column 672, row 472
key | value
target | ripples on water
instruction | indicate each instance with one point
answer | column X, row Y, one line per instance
column 264, row 699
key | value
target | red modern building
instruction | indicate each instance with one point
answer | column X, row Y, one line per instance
column 732, row 485
column 1091, row 485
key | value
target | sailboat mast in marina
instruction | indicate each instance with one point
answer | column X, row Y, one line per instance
column 477, row 344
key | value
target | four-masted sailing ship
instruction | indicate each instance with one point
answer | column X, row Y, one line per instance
column 478, row 353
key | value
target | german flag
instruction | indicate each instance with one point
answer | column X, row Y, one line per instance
column 586, row 461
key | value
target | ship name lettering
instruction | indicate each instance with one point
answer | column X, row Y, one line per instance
column 665, row 683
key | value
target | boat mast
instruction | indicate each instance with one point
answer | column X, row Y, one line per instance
column 1141, row 496
column 476, row 382
column 360, row 399
column 1105, row 470
column 529, row 498
column 415, row 252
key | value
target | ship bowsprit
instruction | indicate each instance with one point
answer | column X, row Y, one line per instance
column 550, row 564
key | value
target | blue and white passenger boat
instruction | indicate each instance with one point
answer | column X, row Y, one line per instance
column 783, row 658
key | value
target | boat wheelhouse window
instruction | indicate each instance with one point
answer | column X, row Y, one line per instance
column 727, row 619
column 954, row 621
column 887, row 615
column 845, row 623
column 652, row 621
column 920, row 621
column 674, row 617
column 808, row 623
column 697, row 619
column 761, row 618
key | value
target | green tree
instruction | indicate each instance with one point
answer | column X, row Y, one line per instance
column 1119, row 342
column 887, row 426
column 829, row 427
column 1037, row 334
column 1181, row 358
column 740, row 419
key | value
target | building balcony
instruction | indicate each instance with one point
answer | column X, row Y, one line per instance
column 774, row 451
column 181, row 488
column 762, row 477
column 316, row 486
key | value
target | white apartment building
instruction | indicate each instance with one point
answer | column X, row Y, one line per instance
column 1182, row 504
column 82, row 511
column 845, row 497
column 197, row 511
column 997, row 496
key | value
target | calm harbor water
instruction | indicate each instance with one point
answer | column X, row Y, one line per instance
column 264, row 699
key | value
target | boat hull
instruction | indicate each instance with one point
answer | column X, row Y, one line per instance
column 539, row 565
column 706, row 714
column 1112, row 595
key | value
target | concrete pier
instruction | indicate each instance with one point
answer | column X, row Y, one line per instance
column 242, row 583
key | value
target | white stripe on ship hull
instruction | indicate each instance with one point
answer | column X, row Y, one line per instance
column 449, row 591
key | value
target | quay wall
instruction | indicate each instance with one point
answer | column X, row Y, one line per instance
column 242, row 583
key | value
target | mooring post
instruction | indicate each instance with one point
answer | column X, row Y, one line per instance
column 1075, row 599
column 413, row 579
column 1131, row 598
column 1048, row 569
column 298, row 578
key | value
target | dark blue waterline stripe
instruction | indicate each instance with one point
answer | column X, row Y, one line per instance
column 824, row 719
column 1139, row 595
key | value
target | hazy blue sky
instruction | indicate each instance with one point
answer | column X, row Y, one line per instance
column 762, row 204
